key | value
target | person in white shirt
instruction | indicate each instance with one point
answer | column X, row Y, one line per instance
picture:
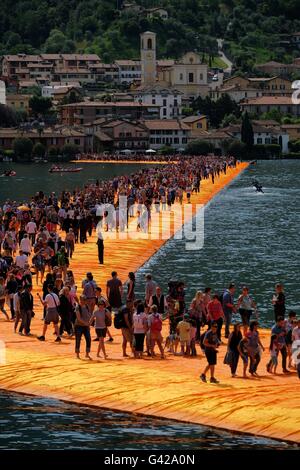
column 21, row 260
column 51, row 302
column 31, row 229
column 25, row 245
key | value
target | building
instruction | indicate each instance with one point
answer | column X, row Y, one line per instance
column 169, row 132
column 295, row 39
column 293, row 130
column 18, row 101
column 196, row 123
column 265, row 104
column 273, row 68
column 241, row 88
column 264, row 134
column 50, row 137
column 129, row 71
column 168, row 99
column 188, row 75
column 148, row 58
column 105, row 73
column 2, row 93
column 58, row 92
column 40, row 69
column 160, row 12
column 88, row 111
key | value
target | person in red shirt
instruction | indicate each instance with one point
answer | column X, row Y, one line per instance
column 215, row 313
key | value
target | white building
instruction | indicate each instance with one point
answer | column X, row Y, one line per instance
column 170, row 132
column 264, row 134
column 2, row 93
column 48, row 91
column 169, row 100
column 129, row 71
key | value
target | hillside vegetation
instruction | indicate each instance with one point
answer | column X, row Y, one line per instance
column 252, row 29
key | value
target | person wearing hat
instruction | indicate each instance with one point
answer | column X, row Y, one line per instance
column 184, row 332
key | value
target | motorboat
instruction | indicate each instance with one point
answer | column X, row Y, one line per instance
column 59, row 169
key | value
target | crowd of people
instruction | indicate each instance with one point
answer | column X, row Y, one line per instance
column 38, row 240
column 131, row 157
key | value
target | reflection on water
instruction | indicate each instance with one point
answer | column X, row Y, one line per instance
column 250, row 238
column 38, row 423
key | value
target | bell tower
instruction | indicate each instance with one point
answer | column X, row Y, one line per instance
column 148, row 58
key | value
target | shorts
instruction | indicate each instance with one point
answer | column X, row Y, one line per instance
column 51, row 316
column 127, row 335
column 101, row 332
column 211, row 356
column 245, row 316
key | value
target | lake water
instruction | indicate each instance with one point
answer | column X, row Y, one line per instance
column 37, row 423
column 250, row 238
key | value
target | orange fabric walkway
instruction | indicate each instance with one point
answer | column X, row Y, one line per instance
column 267, row 406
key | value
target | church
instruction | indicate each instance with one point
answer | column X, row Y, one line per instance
column 170, row 84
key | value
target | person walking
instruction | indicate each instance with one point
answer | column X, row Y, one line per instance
column 245, row 306
column 155, row 327
column 65, row 311
column 228, row 307
column 211, row 343
column 140, row 327
column 278, row 302
column 100, row 245
column 51, row 303
column 233, row 354
column 280, row 331
column 26, row 309
column 254, row 347
column 215, row 314
column 82, row 326
column 102, row 318
column 114, row 291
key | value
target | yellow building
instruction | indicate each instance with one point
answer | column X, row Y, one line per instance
column 293, row 130
column 196, row 122
column 19, row 102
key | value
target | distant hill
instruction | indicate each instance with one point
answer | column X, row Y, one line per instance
column 254, row 30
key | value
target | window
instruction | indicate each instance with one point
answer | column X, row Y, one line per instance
column 175, row 103
column 181, row 76
column 267, row 140
column 201, row 76
column 191, row 77
column 77, row 141
column 149, row 43
column 259, row 140
column 153, row 101
column 199, row 125
column 164, row 102
column 184, row 140
column 176, row 140
column 164, row 112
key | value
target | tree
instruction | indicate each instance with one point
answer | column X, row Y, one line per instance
column 8, row 117
column 69, row 151
column 199, row 147
column 247, row 134
column 40, row 105
column 38, row 150
column 237, row 149
column 23, row 148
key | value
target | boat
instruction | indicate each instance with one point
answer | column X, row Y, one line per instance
column 59, row 169
column 9, row 173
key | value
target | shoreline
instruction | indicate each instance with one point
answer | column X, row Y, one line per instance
column 50, row 370
column 132, row 162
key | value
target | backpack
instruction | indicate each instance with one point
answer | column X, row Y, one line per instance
column 89, row 290
column 156, row 324
column 119, row 320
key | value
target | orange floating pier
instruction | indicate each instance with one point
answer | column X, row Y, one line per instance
column 267, row 406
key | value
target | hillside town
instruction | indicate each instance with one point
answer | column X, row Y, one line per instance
column 72, row 104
